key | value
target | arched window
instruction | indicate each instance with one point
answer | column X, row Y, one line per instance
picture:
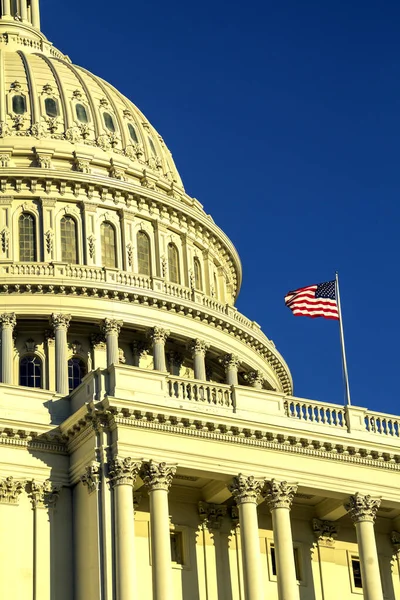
column 132, row 133
column 69, row 250
column 143, row 253
column 27, row 238
column 109, row 122
column 152, row 147
column 198, row 281
column 173, row 264
column 81, row 113
column 216, row 290
column 30, row 371
column 76, row 372
column 108, row 246
column 19, row 105
column 51, row 107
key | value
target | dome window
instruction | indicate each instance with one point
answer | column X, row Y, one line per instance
column 143, row 253
column 152, row 147
column 51, row 107
column 109, row 122
column 198, row 283
column 19, row 105
column 108, row 245
column 27, row 238
column 81, row 113
column 69, row 248
column 173, row 264
column 30, row 371
column 76, row 372
column 132, row 133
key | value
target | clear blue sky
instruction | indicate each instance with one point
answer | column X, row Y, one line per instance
column 284, row 121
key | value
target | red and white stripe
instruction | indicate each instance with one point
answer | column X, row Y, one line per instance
column 303, row 303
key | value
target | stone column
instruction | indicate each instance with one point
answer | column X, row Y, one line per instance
column 279, row 496
column 158, row 479
column 246, row 490
column 159, row 337
column 7, row 324
column 122, row 473
column 60, row 324
column 325, row 533
column 24, row 10
column 111, row 329
column 362, row 510
column 6, row 8
column 199, row 348
column 231, row 363
column 35, row 14
column 255, row 379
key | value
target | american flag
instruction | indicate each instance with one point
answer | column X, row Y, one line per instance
column 317, row 300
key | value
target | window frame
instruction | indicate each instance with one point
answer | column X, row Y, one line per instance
column 350, row 557
column 172, row 245
column 297, row 550
column 77, row 238
column 196, row 261
column 34, row 236
column 56, row 104
column 116, row 244
column 143, row 234
column 34, row 356
column 113, row 120
column 78, row 358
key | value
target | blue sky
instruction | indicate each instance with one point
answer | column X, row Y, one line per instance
column 284, row 121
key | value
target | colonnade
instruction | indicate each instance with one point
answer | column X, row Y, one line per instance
column 247, row 492
column 110, row 330
column 27, row 12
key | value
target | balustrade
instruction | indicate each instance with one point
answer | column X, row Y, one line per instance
column 316, row 412
column 207, row 393
column 383, row 424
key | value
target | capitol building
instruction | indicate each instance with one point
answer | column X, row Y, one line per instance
column 151, row 447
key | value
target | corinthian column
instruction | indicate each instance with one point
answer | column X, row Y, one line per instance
column 362, row 510
column 199, row 349
column 60, row 324
column 255, row 379
column 246, row 490
column 111, row 329
column 279, row 496
column 159, row 337
column 231, row 363
column 158, row 479
column 7, row 324
column 123, row 473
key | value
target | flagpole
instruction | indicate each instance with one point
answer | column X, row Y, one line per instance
column 344, row 362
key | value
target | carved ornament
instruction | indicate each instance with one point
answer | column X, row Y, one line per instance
column 91, row 476
column 111, row 326
column 395, row 539
column 123, row 471
column 8, row 320
column 10, row 489
column 198, row 346
column 230, row 362
column 246, row 488
column 158, row 476
column 325, row 531
column 362, row 508
column 254, row 378
column 43, row 495
column 159, row 335
column 60, row 321
column 279, row 494
column 211, row 515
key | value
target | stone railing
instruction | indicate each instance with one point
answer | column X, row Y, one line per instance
column 383, row 424
column 316, row 412
column 215, row 394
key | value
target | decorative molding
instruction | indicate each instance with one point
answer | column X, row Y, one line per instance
column 91, row 476
column 5, row 239
column 60, row 321
column 43, row 495
column 246, row 489
column 49, row 236
column 91, row 245
column 198, row 346
column 279, row 494
column 111, row 326
column 10, row 489
column 157, row 476
column 211, row 515
column 31, row 345
column 362, row 508
column 123, row 471
column 325, row 532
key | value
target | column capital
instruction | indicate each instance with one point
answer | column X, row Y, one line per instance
column 158, row 476
column 230, row 361
column 60, row 321
column 111, row 326
column 254, row 378
column 91, row 476
column 246, row 488
column 198, row 346
column 395, row 539
column 140, row 348
column 211, row 515
column 325, row 531
column 362, row 508
column 10, row 489
column 123, row 471
column 43, row 495
column 158, row 334
column 8, row 320
column 279, row 494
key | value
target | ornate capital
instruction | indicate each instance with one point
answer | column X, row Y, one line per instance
column 43, row 495
column 230, row 362
column 123, row 471
column 60, row 321
column 254, row 378
column 8, row 320
column 159, row 335
column 246, row 489
column 98, row 340
column 10, row 490
column 158, row 476
column 112, row 326
column 362, row 508
column 175, row 359
column 140, row 349
column 91, row 476
column 395, row 539
column 279, row 494
column 211, row 515
column 198, row 346
column 325, row 532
